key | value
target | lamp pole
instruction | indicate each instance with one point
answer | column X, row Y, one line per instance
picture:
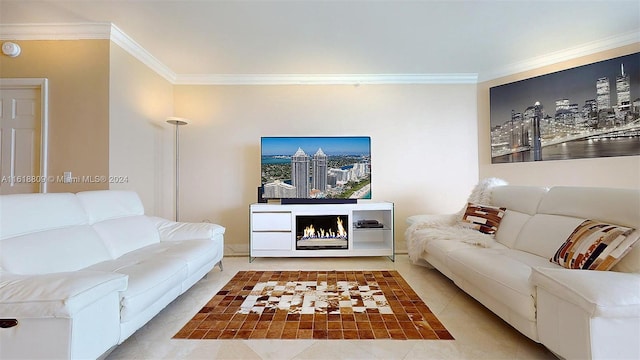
column 177, row 122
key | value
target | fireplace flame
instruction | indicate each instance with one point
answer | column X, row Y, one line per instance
column 341, row 231
column 310, row 232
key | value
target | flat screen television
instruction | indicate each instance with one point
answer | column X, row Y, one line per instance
column 316, row 168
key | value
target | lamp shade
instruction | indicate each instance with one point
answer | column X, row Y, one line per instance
column 177, row 121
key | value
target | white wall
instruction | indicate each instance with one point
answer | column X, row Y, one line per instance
column 620, row 172
column 141, row 143
column 424, row 144
column 430, row 143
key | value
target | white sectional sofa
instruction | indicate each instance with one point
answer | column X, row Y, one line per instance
column 80, row 273
column 576, row 313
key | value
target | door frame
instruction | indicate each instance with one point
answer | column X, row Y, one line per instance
column 43, row 85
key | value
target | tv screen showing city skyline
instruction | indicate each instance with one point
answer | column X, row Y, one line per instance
column 316, row 167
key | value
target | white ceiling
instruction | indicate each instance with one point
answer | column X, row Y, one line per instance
column 349, row 37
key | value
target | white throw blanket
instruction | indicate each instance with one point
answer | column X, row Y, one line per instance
column 446, row 227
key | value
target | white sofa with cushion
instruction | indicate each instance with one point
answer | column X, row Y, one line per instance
column 80, row 273
column 576, row 313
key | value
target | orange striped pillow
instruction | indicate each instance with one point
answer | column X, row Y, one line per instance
column 595, row 245
column 483, row 218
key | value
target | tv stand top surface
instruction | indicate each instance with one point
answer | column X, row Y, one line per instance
column 368, row 205
column 317, row 201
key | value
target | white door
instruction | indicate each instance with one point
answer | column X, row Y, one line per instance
column 20, row 140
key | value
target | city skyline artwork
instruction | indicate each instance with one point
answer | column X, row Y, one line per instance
column 583, row 112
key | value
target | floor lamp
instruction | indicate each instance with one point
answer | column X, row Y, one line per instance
column 177, row 122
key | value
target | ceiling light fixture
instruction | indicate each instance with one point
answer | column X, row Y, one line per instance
column 10, row 49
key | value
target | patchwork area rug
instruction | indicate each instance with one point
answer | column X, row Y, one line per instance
column 315, row 305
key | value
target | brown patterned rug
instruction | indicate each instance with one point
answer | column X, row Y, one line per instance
column 315, row 305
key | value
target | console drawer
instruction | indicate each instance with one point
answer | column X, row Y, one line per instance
column 271, row 221
column 271, row 240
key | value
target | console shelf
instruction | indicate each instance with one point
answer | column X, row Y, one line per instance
column 273, row 230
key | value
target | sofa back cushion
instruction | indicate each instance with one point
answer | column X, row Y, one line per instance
column 615, row 206
column 562, row 209
column 543, row 234
column 127, row 234
column 28, row 213
column 46, row 233
column 103, row 205
column 521, row 203
column 58, row 250
column 630, row 263
column 118, row 218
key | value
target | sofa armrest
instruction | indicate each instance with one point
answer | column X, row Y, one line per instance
column 56, row 294
column 598, row 293
column 178, row 231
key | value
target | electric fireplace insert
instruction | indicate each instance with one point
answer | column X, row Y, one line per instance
column 321, row 232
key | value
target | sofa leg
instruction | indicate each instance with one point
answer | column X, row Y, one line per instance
column 219, row 264
column 8, row 323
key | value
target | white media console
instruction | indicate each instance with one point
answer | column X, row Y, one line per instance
column 278, row 230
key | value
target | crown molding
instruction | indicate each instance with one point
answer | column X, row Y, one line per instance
column 324, row 79
column 589, row 48
column 133, row 48
column 78, row 31
column 55, row 31
column 88, row 31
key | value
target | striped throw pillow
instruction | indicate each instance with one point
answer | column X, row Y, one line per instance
column 483, row 218
column 595, row 245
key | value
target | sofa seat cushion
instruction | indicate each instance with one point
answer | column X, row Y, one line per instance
column 171, row 230
column 150, row 276
column 440, row 249
column 501, row 273
column 55, row 295
column 194, row 253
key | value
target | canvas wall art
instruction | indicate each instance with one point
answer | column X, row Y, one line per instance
column 584, row 112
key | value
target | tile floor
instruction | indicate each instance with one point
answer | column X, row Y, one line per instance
column 478, row 333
